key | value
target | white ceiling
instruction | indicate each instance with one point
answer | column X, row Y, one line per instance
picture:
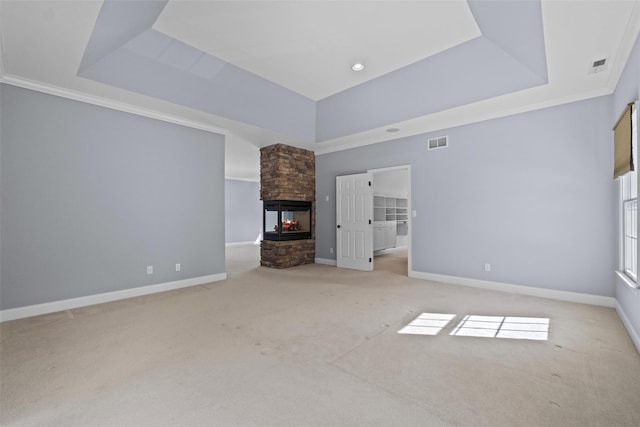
column 309, row 46
column 43, row 43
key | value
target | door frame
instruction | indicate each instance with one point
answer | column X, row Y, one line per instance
column 409, row 206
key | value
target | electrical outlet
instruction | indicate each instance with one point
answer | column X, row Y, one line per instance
column 487, row 267
column 178, row 267
column 330, row 250
column 149, row 269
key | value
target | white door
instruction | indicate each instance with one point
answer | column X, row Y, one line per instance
column 354, row 209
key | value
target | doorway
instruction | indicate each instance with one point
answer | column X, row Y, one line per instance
column 392, row 219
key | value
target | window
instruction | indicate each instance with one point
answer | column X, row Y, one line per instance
column 629, row 235
column 631, row 238
column 629, row 210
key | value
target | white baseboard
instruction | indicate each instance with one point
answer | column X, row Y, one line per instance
column 325, row 261
column 628, row 326
column 68, row 304
column 518, row 289
column 247, row 243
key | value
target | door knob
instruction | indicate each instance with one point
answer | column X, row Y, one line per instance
column 338, row 225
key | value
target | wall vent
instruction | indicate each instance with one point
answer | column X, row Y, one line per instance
column 439, row 142
column 598, row 65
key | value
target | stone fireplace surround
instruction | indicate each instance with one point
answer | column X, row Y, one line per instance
column 288, row 173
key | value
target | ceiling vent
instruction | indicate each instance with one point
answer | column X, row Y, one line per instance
column 439, row 142
column 598, row 65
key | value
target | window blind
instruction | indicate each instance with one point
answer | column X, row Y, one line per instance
column 622, row 140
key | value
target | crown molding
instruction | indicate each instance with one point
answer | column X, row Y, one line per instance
column 624, row 48
column 352, row 141
column 459, row 116
column 106, row 103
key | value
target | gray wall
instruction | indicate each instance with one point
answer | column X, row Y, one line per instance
column 628, row 90
column 243, row 210
column 91, row 196
column 531, row 194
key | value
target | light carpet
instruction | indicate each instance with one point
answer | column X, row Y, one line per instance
column 315, row 345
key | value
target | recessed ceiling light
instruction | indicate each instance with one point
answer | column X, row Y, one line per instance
column 391, row 130
column 357, row 67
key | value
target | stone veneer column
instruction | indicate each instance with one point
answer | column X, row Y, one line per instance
column 288, row 173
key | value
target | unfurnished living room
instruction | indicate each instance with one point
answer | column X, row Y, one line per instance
column 319, row 213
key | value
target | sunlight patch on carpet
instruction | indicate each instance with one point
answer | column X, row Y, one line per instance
column 521, row 328
column 427, row 324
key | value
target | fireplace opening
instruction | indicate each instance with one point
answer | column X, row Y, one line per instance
column 286, row 220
